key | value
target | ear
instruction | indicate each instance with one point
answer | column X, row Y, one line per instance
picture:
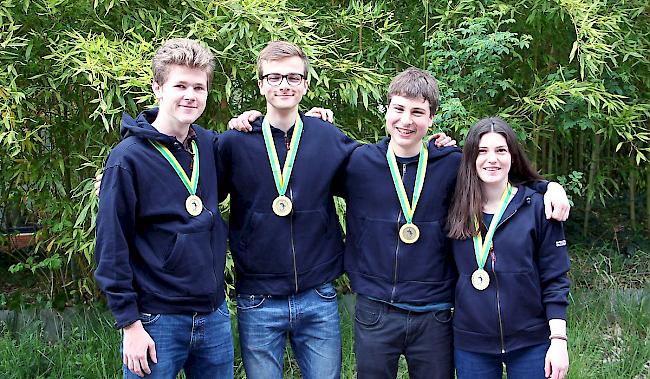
column 157, row 89
column 260, row 83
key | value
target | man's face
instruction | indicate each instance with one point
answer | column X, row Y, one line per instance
column 182, row 97
column 407, row 120
column 285, row 95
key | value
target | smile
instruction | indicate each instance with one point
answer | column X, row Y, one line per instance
column 405, row 131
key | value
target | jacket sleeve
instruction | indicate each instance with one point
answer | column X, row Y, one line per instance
column 222, row 155
column 553, row 263
column 539, row 186
column 347, row 146
column 115, row 236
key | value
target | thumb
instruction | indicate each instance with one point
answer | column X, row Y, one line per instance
column 152, row 352
column 548, row 209
column 434, row 136
column 547, row 367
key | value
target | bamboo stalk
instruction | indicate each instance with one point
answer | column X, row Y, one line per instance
column 595, row 152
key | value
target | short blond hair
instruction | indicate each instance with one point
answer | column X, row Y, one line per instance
column 181, row 52
column 277, row 50
column 416, row 83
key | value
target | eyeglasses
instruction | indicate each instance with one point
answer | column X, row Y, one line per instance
column 275, row 79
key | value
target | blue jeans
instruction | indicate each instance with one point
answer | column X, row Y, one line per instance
column 311, row 321
column 200, row 344
column 382, row 333
column 524, row 363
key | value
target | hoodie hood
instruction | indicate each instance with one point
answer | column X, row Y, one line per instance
column 141, row 127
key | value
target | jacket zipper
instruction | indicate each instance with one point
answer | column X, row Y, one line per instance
column 399, row 215
column 496, row 280
column 214, row 273
column 293, row 247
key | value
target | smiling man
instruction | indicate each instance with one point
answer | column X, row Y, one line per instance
column 284, row 232
column 398, row 192
column 161, row 242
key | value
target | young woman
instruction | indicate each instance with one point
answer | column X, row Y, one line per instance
column 511, row 294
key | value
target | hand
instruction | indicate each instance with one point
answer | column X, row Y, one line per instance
column 98, row 183
column 322, row 113
column 243, row 121
column 442, row 140
column 556, row 202
column 556, row 363
column 137, row 343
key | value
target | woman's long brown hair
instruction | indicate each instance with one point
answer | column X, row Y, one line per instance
column 468, row 199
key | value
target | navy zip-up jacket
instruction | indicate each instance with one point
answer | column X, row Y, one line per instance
column 152, row 256
column 528, row 281
column 377, row 262
column 276, row 255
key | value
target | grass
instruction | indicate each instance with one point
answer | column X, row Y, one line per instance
column 609, row 330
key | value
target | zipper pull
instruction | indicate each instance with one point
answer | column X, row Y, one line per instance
column 492, row 255
column 286, row 141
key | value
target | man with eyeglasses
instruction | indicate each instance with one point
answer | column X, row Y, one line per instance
column 285, row 237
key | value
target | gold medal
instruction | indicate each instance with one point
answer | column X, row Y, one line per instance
column 282, row 206
column 480, row 279
column 194, row 205
column 409, row 233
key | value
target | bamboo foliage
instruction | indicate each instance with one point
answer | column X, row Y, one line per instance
column 571, row 76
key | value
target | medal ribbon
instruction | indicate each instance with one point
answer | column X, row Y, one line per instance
column 481, row 249
column 407, row 208
column 281, row 178
column 190, row 184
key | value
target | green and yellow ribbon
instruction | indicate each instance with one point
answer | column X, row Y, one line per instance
column 281, row 178
column 408, row 208
column 481, row 249
column 190, row 184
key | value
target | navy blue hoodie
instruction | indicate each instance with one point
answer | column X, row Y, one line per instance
column 276, row 255
column 152, row 256
column 378, row 263
column 528, row 281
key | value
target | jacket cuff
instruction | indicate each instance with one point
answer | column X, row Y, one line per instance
column 556, row 311
column 127, row 317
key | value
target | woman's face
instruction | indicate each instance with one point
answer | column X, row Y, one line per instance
column 493, row 160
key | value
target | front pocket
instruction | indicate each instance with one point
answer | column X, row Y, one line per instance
column 148, row 319
column 265, row 245
column 246, row 302
column 326, row 291
column 366, row 314
column 190, row 265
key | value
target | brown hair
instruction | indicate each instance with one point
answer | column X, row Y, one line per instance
column 416, row 83
column 182, row 52
column 277, row 50
column 468, row 197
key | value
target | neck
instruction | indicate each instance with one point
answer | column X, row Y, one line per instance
column 282, row 119
column 492, row 193
column 177, row 131
column 405, row 152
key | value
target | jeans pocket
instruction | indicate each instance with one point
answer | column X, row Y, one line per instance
column 148, row 318
column 367, row 316
column 443, row 316
column 223, row 309
column 246, row 302
column 326, row 291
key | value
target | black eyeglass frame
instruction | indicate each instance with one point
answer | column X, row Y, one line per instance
column 283, row 77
